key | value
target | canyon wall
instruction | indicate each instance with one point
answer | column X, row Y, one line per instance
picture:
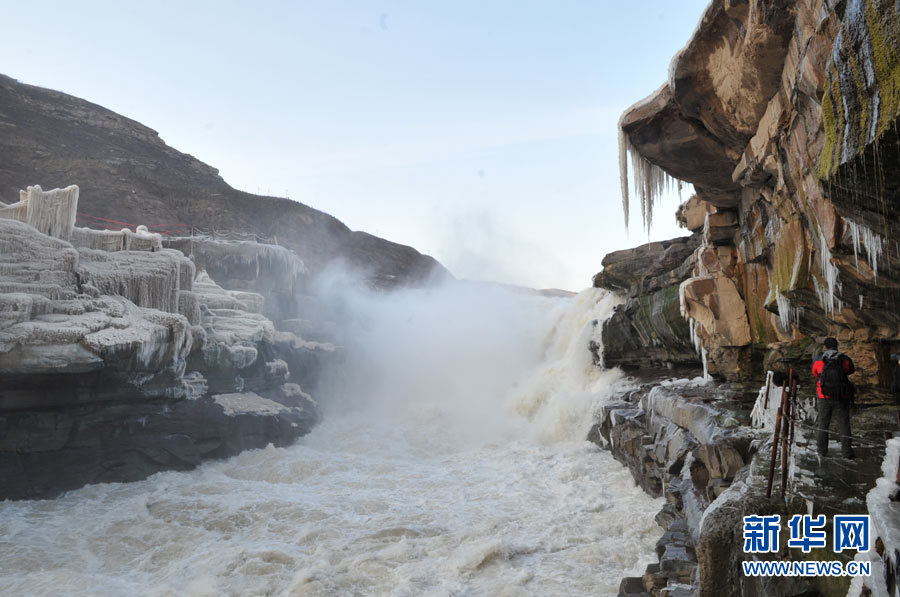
column 783, row 116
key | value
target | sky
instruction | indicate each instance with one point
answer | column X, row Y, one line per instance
column 480, row 132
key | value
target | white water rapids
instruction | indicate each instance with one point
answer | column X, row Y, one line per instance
column 451, row 461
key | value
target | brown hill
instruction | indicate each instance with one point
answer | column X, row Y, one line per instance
column 128, row 174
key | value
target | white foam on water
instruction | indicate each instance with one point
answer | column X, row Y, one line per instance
column 451, row 462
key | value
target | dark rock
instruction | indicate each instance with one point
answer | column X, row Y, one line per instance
column 648, row 330
column 632, row 586
column 654, row 579
column 43, row 453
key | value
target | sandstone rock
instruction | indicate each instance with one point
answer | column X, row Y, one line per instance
column 714, row 302
column 692, row 213
column 778, row 96
column 646, row 268
column 720, row 227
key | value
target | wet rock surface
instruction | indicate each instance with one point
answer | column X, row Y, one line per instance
column 45, row 452
column 648, row 328
column 693, row 442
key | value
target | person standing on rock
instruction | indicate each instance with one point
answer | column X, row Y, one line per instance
column 835, row 394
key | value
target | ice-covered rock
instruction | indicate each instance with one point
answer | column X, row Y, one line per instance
column 271, row 272
column 51, row 212
column 109, row 354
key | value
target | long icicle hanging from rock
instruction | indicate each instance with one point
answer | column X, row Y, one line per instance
column 650, row 181
column 623, row 172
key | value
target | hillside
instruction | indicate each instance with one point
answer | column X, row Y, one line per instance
column 128, row 174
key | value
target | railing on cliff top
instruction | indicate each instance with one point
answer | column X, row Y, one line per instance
column 175, row 229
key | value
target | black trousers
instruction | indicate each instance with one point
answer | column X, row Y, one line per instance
column 840, row 410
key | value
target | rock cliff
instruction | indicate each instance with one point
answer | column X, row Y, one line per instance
column 783, row 115
column 648, row 328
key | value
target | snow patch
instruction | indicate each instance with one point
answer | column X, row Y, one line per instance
column 248, row 403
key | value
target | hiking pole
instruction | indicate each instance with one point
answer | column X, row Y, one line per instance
column 775, row 440
column 769, row 385
column 794, row 408
column 785, row 422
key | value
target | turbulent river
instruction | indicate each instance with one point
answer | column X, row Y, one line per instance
column 451, row 461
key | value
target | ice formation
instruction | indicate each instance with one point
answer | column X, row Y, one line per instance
column 884, row 511
column 50, row 212
column 826, row 293
column 248, row 403
column 870, row 241
column 650, row 181
column 101, row 240
column 765, row 409
column 122, row 301
column 233, row 331
column 49, row 324
column 147, row 279
column 247, row 258
column 788, row 315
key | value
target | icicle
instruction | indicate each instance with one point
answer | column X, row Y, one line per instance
column 871, row 242
column 695, row 339
column 830, row 271
column 650, row 181
column 788, row 315
column 623, row 172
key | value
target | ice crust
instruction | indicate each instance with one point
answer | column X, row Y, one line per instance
column 79, row 300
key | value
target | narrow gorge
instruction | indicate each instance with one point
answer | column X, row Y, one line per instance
column 209, row 392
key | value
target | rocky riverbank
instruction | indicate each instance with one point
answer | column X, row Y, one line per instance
column 783, row 116
column 705, row 447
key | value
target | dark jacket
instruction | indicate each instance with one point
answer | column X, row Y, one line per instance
column 846, row 365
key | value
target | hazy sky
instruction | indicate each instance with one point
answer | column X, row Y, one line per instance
column 480, row 132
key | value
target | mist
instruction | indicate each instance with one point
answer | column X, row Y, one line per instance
column 470, row 362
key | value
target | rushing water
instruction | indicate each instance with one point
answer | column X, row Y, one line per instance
column 451, row 462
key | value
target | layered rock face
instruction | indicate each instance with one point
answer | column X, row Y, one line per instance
column 648, row 328
column 128, row 174
column 117, row 363
column 783, row 116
